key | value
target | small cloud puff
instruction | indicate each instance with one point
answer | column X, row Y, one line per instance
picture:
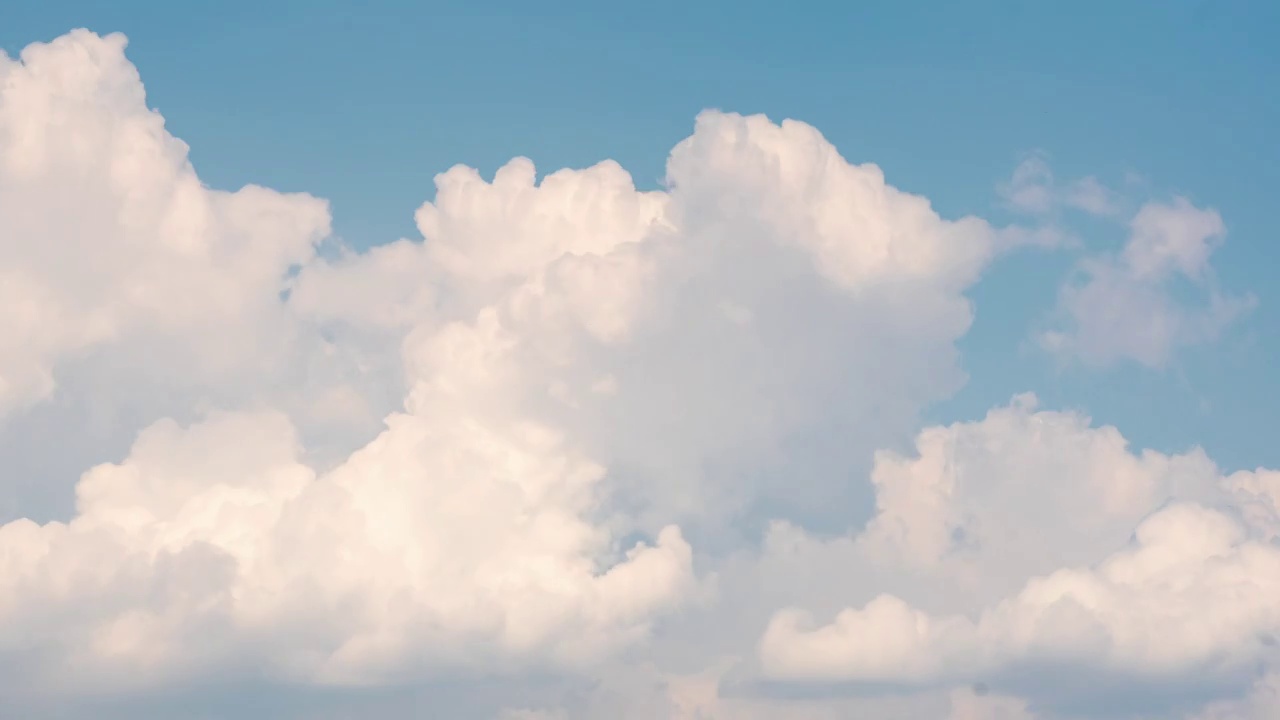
column 1128, row 306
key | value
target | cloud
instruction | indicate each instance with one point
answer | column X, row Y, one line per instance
column 1130, row 306
column 1033, row 190
column 761, row 277
column 133, row 291
column 1045, row 483
column 214, row 540
column 1023, row 521
column 646, row 693
column 582, row 367
column 1191, row 596
column 109, row 238
column 573, row 450
column 1262, row 702
column 1142, row 304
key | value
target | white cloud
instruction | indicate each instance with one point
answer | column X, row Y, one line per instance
column 443, row 541
column 1155, row 296
column 537, row 441
column 1128, row 307
column 1174, row 238
column 109, row 238
column 132, row 291
column 1190, row 597
column 1142, row 304
column 759, row 279
column 571, row 378
column 1257, row 494
column 1020, row 522
column 1023, row 491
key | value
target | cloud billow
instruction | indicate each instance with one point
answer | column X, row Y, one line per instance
column 538, row 441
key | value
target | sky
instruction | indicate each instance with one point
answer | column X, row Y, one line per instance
column 714, row 360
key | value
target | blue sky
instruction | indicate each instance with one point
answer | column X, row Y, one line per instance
column 365, row 104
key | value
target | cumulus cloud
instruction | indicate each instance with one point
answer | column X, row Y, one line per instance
column 1130, row 306
column 575, row 357
column 770, row 274
column 109, row 238
column 542, row 440
column 1191, row 595
column 214, row 540
column 133, row 291
column 1022, row 491
column 1037, row 507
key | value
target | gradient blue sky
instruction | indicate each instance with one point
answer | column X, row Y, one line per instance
column 363, row 104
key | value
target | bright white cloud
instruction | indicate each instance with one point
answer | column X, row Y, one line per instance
column 534, row 441
column 574, row 353
column 215, row 537
column 1040, row 504
column 132, row 291
column 761, row 278
column 109, row 238
column 1193, row 595
column 1021, row 492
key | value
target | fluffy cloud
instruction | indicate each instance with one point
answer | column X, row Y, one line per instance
column 109, row 238
column 576, row 357
column 1192, row 595
column 1021, row 492
column 1023, row 520
column 132, row 291
column 541, row 441
column 214, row 540
column 771, row 274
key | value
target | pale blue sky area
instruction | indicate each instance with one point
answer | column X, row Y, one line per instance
column 363, row 103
